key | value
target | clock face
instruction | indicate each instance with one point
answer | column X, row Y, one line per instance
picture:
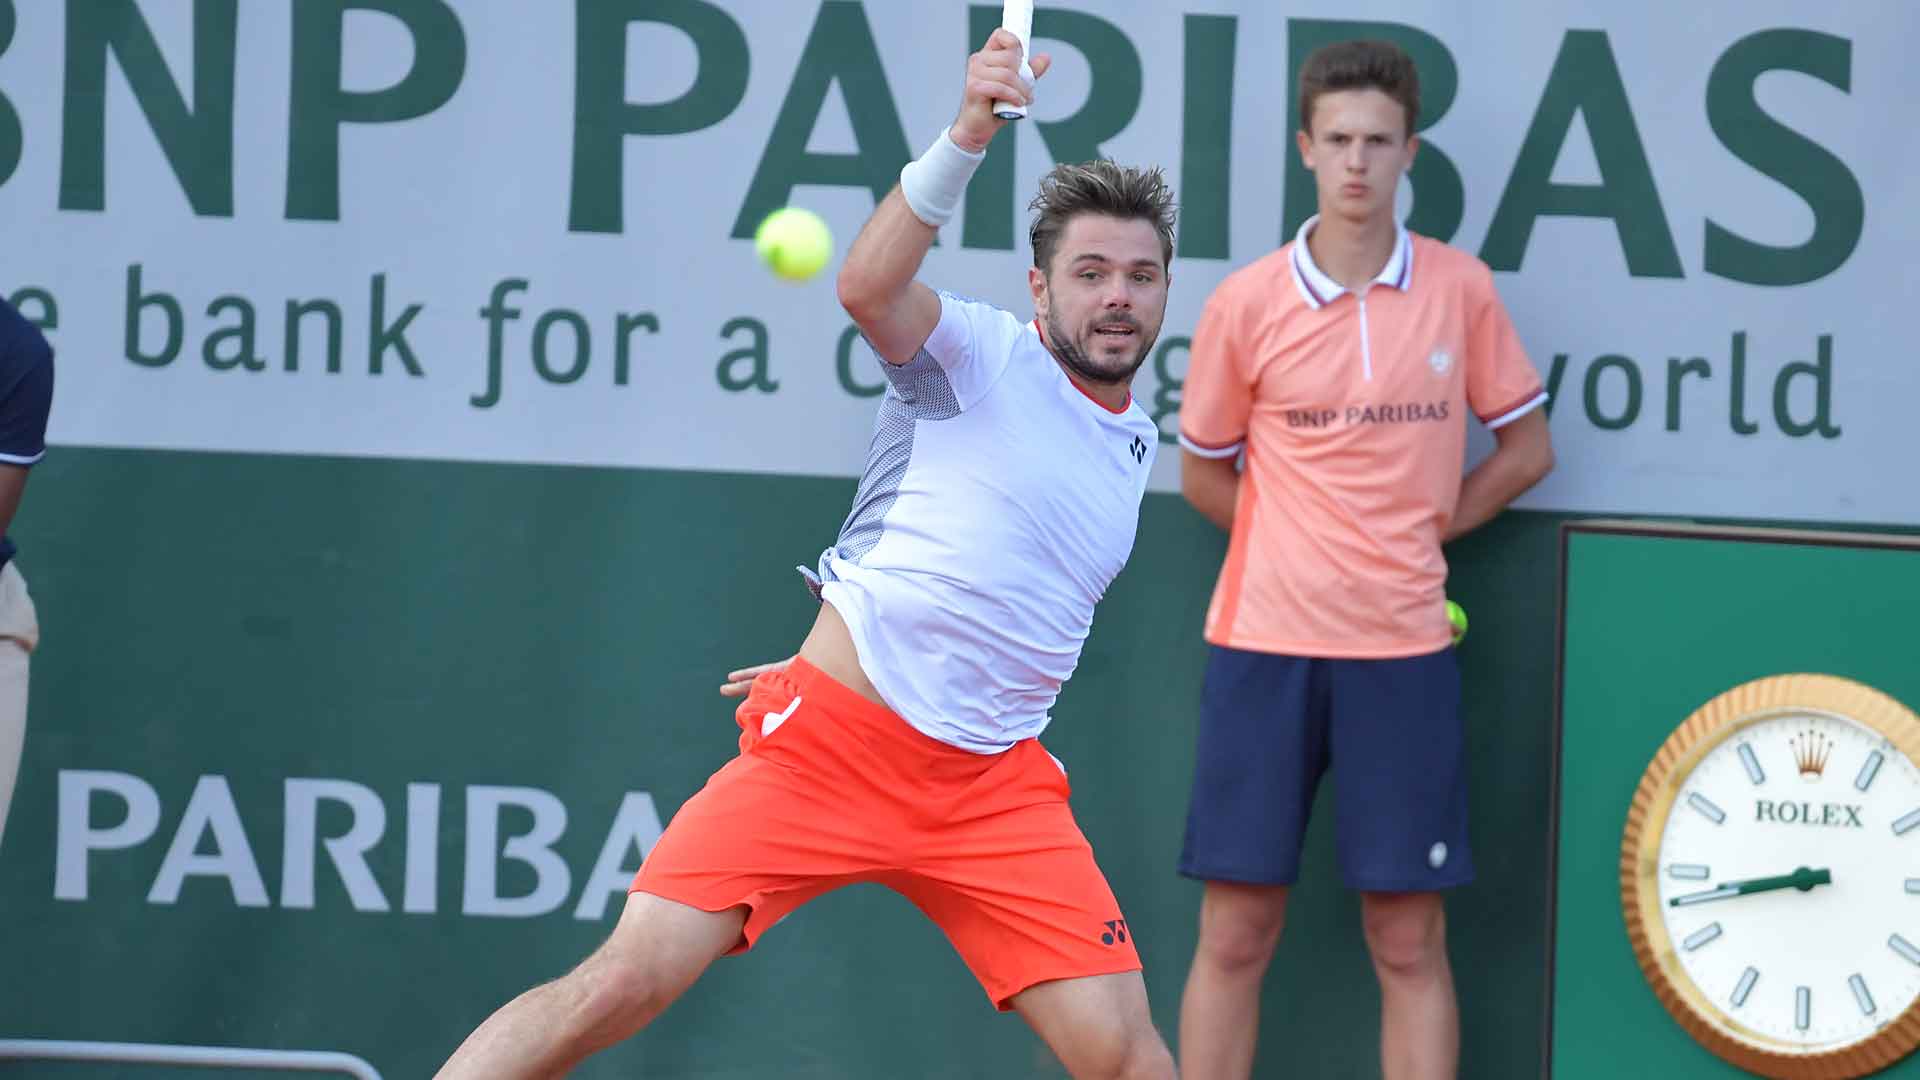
column 1789, row 880
column 1770, row 877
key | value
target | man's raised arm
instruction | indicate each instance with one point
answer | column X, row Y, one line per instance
column 876, row 285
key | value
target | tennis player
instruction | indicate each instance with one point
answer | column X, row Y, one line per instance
column 1000, row 499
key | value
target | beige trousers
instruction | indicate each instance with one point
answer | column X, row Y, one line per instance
column 19, row 636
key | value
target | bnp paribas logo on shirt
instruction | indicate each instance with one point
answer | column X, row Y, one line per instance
column 1412, row 412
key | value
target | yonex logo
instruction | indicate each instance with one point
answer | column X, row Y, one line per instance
column 1138, row 450
column 1116, row 931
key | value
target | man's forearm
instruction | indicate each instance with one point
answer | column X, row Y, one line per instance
column 1504, row 476
column 1212, row 487
column 1216, row 505
column 1522, row 455
column 13, row 483
column 877, row 284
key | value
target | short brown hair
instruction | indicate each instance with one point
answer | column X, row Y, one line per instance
column 1099, row 187
column 1360, row 65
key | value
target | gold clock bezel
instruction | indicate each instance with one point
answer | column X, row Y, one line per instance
column 1710, row 726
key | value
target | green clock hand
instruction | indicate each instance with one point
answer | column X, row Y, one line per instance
column 1802, row 879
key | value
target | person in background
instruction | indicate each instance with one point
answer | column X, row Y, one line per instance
column 26, row 398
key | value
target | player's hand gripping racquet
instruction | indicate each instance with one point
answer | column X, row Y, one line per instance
column 1016, row 18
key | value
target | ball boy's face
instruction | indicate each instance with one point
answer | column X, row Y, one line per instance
column 1357, row 149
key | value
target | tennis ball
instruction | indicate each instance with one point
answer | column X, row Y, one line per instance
column 794, row 243
column 1457, row 615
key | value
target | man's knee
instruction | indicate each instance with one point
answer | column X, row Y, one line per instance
column 1150, row 1059
column 1100, row 1027
column 655, row 952
column 1238, row 931
column 1129, row 1052
column 1406, row 935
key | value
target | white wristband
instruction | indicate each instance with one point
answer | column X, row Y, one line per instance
column 932, row 182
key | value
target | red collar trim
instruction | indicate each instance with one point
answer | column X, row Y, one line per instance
column 1128, row 404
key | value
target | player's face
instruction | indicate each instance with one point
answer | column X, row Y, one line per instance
column 1104, row 296
column 1358, row 149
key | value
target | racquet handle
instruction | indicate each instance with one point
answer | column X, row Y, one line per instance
column 1016, row 18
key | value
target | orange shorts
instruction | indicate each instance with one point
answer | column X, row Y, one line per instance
column 841, row 790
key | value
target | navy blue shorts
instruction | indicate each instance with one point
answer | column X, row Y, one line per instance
column 1391, row 729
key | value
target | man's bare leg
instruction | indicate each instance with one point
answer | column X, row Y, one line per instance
column 656, row 951
column 1220, row 1011
column 1419, row 1018
column 1098, row 1026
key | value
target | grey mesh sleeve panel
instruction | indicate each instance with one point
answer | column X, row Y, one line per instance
column 919, row 389
column 916, row 390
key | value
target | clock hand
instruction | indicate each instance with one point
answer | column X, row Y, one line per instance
column 1802, row 879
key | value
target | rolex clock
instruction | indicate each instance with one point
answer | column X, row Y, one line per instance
column 1770, row 877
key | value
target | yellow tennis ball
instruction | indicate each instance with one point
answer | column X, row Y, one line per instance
column 794, row 243
column 1457, row 615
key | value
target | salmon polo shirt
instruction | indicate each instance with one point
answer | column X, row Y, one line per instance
column 1351, row 409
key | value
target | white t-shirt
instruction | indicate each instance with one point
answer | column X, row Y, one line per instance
column 998, row 503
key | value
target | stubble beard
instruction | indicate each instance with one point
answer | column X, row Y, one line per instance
column 1077, row 360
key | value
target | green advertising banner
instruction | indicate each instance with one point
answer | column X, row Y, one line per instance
column 337, row 755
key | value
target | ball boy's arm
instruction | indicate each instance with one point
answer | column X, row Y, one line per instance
column 1211, row 486
column 1522, row 457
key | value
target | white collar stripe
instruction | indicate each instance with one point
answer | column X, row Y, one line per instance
column 1201, row 449
column 1321, row 290
column 1301, row 266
